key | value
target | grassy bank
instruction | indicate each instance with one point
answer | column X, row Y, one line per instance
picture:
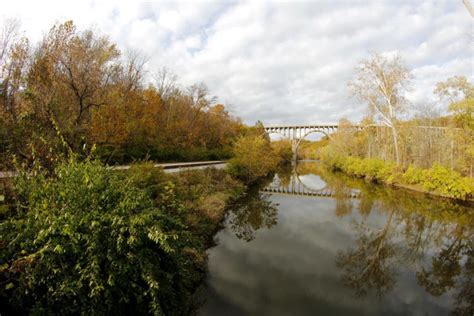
column 436, row 180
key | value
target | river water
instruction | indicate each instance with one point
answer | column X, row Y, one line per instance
column 311, row 242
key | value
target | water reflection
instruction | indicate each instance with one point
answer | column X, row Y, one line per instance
column 252, row 213
column 363, row 249
column 370, row 265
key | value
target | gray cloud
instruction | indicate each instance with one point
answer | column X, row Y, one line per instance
column 277, row 62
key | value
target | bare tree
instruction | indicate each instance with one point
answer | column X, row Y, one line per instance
column 133, row 70
column 380, row 83
column 166, row 83
column 14, row 55
column 8, row 34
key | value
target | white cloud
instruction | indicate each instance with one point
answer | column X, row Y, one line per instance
column 276, row 62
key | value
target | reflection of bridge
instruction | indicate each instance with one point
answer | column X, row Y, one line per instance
column 297, row 187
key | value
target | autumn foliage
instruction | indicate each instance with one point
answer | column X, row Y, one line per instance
column 77, row 86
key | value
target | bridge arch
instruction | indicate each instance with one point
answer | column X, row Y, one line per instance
column 298, row 142
column 275, row 132
column 296, row 133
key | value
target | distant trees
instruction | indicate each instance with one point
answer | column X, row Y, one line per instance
column 427, row 138
column 77, row 86
column 460, row 94
column 13, row 62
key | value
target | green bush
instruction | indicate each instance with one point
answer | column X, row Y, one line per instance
column 86, row 240
column 253, row 159
column 437, row 179
column 447, row 182
column 413, row 175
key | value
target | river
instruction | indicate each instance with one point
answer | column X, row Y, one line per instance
column 311, row 242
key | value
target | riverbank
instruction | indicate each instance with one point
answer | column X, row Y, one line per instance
column 166, row 166
column 110, row 230
column 437, row 180
column 118, row 240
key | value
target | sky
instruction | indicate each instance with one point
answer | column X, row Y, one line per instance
column 285, row 62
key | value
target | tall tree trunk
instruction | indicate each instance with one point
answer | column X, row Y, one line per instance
column 395, row 145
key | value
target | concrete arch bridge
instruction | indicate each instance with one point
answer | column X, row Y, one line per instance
column 296, row 133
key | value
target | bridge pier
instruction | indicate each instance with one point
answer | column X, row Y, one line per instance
column 297, row 133
column 294, row 149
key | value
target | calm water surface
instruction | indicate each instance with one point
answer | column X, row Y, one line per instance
column 315, row 243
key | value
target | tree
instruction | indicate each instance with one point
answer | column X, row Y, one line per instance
column 72, row 73
column 380, row 83
column 460, row 95
column 14, row 57
column 254, row 158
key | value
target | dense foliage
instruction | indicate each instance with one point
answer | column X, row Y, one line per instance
column 437, row 179
column 312, row 149
column 77, row 85
column 253, row 159
column 88, row 240
column 282, row 149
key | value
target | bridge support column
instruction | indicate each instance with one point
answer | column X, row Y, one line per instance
column 294, row 148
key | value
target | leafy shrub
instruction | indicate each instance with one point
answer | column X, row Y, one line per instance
column 90, row 241
column 447, row 182
column 414, row 175
column 253, row 159
column 283, row 151
column 437, row 179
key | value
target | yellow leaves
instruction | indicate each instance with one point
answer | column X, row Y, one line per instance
column 254, row 158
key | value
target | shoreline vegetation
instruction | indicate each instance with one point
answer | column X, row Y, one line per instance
column 79, row 233
column 438, row 180
column 426, row 152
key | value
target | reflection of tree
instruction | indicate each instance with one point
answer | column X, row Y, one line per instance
column 251, row 214
column 284, row 175
column 369, row 266
column 465, row 295
column 444, row 270
column 447, row 272
column 417, row 228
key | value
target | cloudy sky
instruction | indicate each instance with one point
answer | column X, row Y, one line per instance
column 278, row 62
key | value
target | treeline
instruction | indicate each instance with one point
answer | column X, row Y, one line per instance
column 438, row 149
column 76, row 87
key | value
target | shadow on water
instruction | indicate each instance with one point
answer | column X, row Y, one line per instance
column 252, row 213
column 312, row 241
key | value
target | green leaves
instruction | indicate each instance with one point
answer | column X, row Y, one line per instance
column 88, row 235
column 437, row 179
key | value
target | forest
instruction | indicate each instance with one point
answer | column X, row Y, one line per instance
column 78, row 237
column 75, row 86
